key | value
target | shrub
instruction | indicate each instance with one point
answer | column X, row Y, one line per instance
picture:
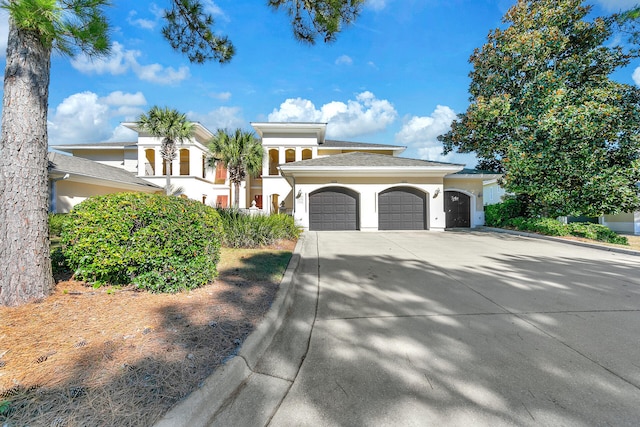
column 553, row 227
column 56, row 222
column 242, row 230
column 158, row 243
column 498, row 214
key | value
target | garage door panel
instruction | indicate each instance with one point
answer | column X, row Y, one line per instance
column 402, row 209
column 333, row 209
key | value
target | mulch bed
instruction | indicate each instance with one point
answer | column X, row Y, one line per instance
column 120, row 357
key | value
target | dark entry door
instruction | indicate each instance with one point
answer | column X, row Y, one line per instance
column 401, row 209
column 333, row 209
column 457, row 207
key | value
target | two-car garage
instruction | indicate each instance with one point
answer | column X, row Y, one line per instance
column 337, row 208
column 370, row 192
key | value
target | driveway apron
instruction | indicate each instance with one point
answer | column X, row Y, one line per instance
column 466, row 328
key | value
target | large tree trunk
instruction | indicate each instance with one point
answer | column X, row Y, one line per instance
column 25, row 270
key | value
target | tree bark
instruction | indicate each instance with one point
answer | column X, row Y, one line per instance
column 25, row 270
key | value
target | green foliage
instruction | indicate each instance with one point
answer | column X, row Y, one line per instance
column 67, row 26
column 511, row 213
column 158, row 243
column 498, row 214
column 240, row 152
column 318, row 17
column 58, row 261
column 544, row 110
column 55, row 223
column 243, row 230
column 188, row 29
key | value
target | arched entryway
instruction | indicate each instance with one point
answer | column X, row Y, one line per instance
column 402, row 208
column 334, row 208
column 457, row 208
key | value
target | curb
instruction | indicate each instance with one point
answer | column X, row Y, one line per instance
column 561, row 240
column 197, row 408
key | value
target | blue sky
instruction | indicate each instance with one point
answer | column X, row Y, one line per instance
column 399, row 75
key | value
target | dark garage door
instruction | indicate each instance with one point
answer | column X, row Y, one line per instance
column 402, row 209
column 333, row 209
column 457, row 207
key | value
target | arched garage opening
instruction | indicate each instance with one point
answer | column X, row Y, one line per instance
column 333, row 209
column 457, row 208
column 402, row 208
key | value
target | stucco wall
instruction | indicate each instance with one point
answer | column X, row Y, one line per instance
column 368, row 190
column 70, row 193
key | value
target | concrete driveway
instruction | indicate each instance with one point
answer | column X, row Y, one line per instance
column 455, row 328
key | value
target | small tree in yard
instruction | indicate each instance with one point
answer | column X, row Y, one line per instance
column 170, row 125
column 545, row 112
column 240, row 152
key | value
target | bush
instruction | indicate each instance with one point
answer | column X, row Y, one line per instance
column 56, row 222
column 498, row 214
column 553, row 227
column 242, row 230
column 158, row 243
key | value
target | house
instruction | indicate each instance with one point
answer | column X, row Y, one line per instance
column 340, row 185
column 73, row 179
column 325, row 184
column 189, row 171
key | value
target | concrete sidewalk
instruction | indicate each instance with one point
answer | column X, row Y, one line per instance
column 423, row 328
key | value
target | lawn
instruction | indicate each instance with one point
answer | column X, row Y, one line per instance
column 118, row 356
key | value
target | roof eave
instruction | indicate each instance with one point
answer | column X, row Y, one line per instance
column 367, row 171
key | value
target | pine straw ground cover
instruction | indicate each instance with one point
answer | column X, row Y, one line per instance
column 121, row 357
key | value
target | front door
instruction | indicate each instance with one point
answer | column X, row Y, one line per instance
column 457, row 207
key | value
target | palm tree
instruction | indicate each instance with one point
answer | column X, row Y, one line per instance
column 240, row 152
column 170, row 125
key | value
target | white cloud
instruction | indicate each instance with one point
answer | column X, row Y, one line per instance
column 616, row 5
column 146, row 24
column 122, row 60
column 86, row 117
column 121, row 98
column 636, row 76
column 215, row 10
column 364, row 115
column 377, row 4
column 220, row 118
column 156, row 73
column 222, row 96
column 344, row 60
column 422, row 133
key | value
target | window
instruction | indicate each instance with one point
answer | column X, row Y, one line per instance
column 184, row 161
column 290, row 155
column 273, row 162
column 150, row 165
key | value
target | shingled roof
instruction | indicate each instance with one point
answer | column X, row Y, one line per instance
column 367, row 160
column 64, row 164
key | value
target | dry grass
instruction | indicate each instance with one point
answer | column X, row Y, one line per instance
column 119, row 357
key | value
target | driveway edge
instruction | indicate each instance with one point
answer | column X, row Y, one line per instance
column 198, row 408
column 561, row 240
